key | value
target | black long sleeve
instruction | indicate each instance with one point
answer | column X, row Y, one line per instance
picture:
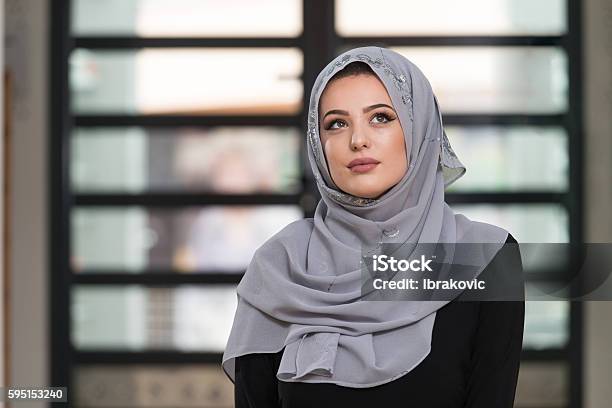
column 497, row 351
column 255, row 381
column 496, row 357
column 473, row 363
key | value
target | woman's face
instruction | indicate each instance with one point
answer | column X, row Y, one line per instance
column 361, row 136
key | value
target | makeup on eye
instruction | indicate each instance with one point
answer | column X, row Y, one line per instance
column 388, row 117
column 365, row 110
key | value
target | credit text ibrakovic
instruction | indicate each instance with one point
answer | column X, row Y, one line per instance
column 383, row 263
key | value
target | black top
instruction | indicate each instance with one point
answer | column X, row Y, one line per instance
column 473, row 362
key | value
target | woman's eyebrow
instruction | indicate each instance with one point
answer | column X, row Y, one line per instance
column 365, row 110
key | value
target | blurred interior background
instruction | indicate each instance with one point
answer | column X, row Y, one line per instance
column 151, row 146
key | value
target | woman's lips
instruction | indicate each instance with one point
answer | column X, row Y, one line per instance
column 363, row 165
column 362, row 168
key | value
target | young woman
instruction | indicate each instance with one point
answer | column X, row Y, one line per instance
column 303, row 336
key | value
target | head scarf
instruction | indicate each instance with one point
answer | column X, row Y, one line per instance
column 302, row 288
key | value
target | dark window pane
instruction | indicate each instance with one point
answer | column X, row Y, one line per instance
column 543, row 384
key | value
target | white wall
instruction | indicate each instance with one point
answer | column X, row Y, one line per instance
column 598, row 183
column 27, row 54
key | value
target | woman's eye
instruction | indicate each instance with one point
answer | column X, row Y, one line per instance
column 382, row 117
column 331, row 124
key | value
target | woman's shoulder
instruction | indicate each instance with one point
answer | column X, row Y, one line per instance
column 293, row 234
column 468, row 229
column 303, row 225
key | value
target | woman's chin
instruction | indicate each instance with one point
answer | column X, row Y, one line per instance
column 365, row 192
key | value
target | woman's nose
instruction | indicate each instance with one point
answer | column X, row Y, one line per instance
column 359, row 140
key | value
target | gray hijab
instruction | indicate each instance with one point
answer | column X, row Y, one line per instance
column 302, row 289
